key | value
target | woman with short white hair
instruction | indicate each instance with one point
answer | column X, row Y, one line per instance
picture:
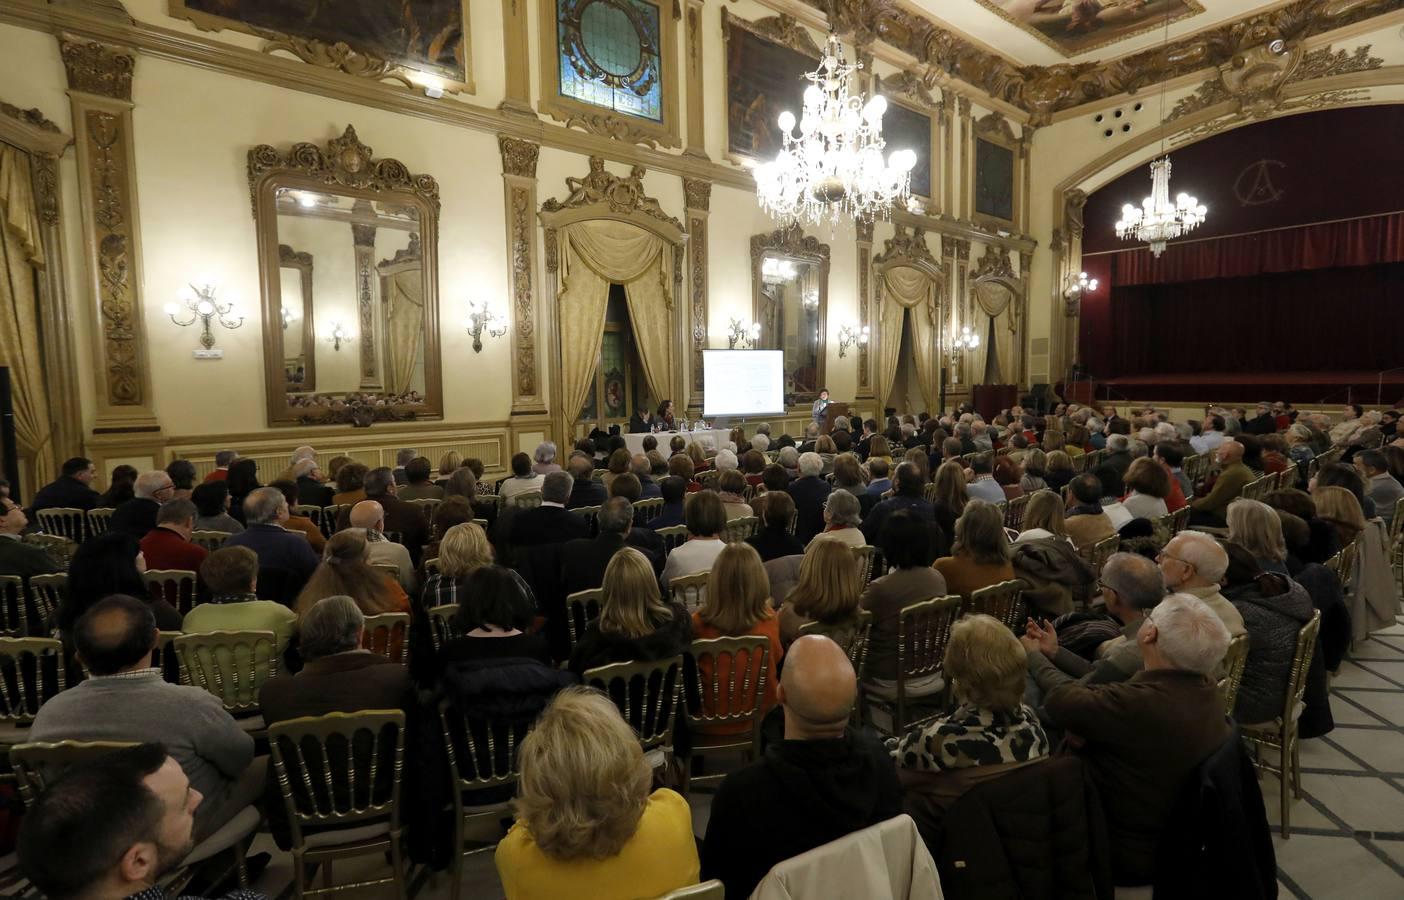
column 545, row 458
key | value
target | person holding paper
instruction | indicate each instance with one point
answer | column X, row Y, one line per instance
column 819, row 406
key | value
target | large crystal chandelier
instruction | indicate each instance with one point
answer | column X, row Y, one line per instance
column 834, row 167
column 1158, row 220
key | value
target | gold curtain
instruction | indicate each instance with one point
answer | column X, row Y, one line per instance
column 910, row 289
column 404, row 326
column 21, row 256
column 997, row 300
column 594, row 255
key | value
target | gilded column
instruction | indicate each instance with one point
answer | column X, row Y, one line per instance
column 698, row 198
column 519, row 186
column 515, row 36
column 1067, row 262
column 1025, row 264
column 696, row 102
column 965, row 139
column 100, row 94
column 367, row 318
column 957, row 253
column 865, row 285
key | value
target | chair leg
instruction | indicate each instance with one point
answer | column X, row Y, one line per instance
column 327, row 875
column 397, row 864
column 298, row 876
column 1283, row 793
column 241, row 868
column 1296, row 768
column 456, row 867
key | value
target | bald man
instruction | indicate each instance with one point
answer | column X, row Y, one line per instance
column 1234, row 476
column 817, row 785
column 380, row 550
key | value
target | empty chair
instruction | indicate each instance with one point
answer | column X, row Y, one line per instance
column 922, row 632
column 64, row 522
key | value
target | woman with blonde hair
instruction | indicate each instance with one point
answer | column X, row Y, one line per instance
column 1338, row 507
column 344, row 570
column 587, row 824
column 878, row 448
column 698, row 456
column 950, row 494
column 448, row 464
column 1043, row 517
column 917, row 456
column 980, row 553
column 827, row 592
column 1035, row 464
column 618, row 464
column 990, row 733
column 1256, row 527
column 634, row 623
column 738, row 603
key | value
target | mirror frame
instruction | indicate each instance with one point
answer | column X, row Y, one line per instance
column 792, row 243
column 288, row 258
column 347, row 167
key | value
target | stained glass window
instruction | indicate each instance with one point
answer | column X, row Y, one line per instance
column 609, row 55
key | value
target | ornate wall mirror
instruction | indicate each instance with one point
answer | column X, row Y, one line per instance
column 360, row 341
column 790, row 296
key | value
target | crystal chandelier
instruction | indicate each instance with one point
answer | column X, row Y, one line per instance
column 1158, row 220
column 834, row 167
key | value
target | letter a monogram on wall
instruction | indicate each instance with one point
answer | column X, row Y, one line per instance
column 1254, row 185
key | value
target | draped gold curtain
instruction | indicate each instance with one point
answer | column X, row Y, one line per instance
column 594, row 255
column 915, row 290
column 404, row 326
column 998, row 301
column 21, row 257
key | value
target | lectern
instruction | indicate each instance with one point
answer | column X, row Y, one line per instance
column 831, row 412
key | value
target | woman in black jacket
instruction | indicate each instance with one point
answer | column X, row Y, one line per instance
column 107, row 564
column 634, row 624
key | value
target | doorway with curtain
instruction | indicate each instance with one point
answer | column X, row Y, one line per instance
column 617, row 388
column 909, row 285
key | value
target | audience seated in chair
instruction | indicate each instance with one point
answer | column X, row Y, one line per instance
column 346, row 570
column 137, row 516
column 298, row 523
column 809, row 491
column 627, row 487
column 265, row 511
column 182, row 475
column 71, row 490
column 312, row 487
column 829, row 587
column 738, row 603
column 773, row 540
column 705, row 518
column 113, row 828
column 125, row 699
column 551, row 522
column 211, row 501
column 842, row 517
column 242, row 481
column 585, row 490
column 820, row 783
column 906, row 546
column 1233, row 477
column 418, row 482
column 109, row 564
column 908, row 494
column 980, row 552
column 230, row 575
column 1143, row 738
column 168, row 546
column 990, row 733
column 400, row 515
column 1148, row 484
column 17, row 557
column 634, row 624
column 584, row 560
column 350, row 483
column 1084, row 519
column 368, row 517
column 1193, row 563
column 119, row 487
column 587, row 824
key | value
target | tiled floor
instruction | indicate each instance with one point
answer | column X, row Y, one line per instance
column 1347, row 838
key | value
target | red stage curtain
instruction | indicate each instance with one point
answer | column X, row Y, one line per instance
column 1355, row 242
column 1313, row 320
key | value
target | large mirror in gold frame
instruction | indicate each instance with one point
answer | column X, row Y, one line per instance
column 790, row 295
column 359, row 343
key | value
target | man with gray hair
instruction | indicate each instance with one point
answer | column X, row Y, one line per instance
column 400, row 515
column 311, row 487
column 584, row 560
column 265, row 511
column 1193, row 563
column 1118, row 453
column 811, row 435
column 642, row 469
column 809, row 491
column 842, row 515
column 726, row 459
column 223, row 460
column 402, row 459
column 760, row 442
column 168, row 546
column 137, row 516
column 551, row 522
column 369, row 516
column 1132, row 586
column 1143, row 738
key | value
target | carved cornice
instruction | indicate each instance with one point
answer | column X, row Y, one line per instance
column 782, row 29
column 518, row 156
column 290, row 258
column 410, row 254
column 96, row 68
column 955, row 248
column 1256, row 80
column 697, row 193
column 908, row 247
column 910, row 86
column 615, row 128
column 993, row 265
column 346, row 162
column 1042, row 91
column 788, row 241
column 337, row 56
column 32, row 117
column 993, row 125
column 621, row 194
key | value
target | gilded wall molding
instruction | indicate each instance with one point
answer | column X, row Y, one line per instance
column 337, row 57
column 345, row 162
column 698, row 195
column 519, row 159
column 994, row 265
column 783, row 29
column 788, row 240
column 33, row 117
column 621, row 194
column 912, row 87
column 911, row 249
column 1256, row 81
column 696, row 82
column 865, row 283
column 95, row 68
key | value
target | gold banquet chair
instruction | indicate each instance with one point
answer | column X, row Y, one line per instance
column 730, row 695
column 923, row 629
column 232, row 665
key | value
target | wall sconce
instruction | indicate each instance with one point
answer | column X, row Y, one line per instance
column 1074, row 287
column 202, row 305
column 810, row 300
column 290, row 316
column 481, row 319
column 746, row 336
column 339, row 335
column 966, row 340
column 848, row 336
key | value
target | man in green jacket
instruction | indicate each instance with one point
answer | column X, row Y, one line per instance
column 1234, row 476
column 17, row 557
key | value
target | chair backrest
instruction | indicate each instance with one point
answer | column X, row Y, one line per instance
column 1235, row 659
column 394, row 537
column 1301, row 662
column 443, row 624
column 929, row 492
column 708, row 478
column 690, row 590
column 31, row 672
column 707, row 890
column 64, row 521
column 1004, row 601
column 732, row 687
column 864, row 557
column 646, row 694
column 388, row 568
column 1014, row 512
column 315, row 513
column 431, row 566
column 387, row 634
column 46, row 592
column 37, row 764
column 232, row 665
column 1396, row 524
column 1098, row 554
column 598, row 475
column 740, row 528
column 1196, row 466
column 526, row 500
column 14, row 612
column 98, row 519
column 646, row 511
column 482, row 752
column 1258, row 487
column 582, row 608
column 922, row 632
column 213, row 540
column 1173, row 523
column 427, row 505
column 175, row 586
column 331, row 514
column 590, row 514
column 858, row 650
column 59, row 548
column 672, row 536
column 340, row 768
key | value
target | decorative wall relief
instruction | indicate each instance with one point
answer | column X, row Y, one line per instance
column 95, row 68
column 865, row 280
column 698, row 195
column 519, row 177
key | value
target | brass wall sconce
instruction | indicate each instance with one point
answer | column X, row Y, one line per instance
column 745, row 335
column 202, row 306
column 482, row 319
column 289, row 316
column 339, row 335
column 849, row 336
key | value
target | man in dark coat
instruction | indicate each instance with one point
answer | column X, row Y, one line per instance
column 584, row 560
column 71, row 490
column 820, row 783
column 585, row 490
column 551, row 522
column 809, row 491
column 137, row 516
column 400, row 515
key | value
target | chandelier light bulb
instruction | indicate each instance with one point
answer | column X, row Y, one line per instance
column 204, row 308
column 787, row 121
column 171, row 309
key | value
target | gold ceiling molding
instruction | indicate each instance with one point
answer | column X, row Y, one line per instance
column 1256, row 80
column 346, row 162
column 1042, row 91
column 911, row 86
column 1191, row 8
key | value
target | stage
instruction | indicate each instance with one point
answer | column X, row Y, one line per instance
column 1246, row 388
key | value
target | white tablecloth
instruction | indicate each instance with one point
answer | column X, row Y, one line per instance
column 711, row 439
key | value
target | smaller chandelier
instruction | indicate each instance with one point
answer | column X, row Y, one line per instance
column 1158, row 220
column 834, row 167
column 966, row 340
